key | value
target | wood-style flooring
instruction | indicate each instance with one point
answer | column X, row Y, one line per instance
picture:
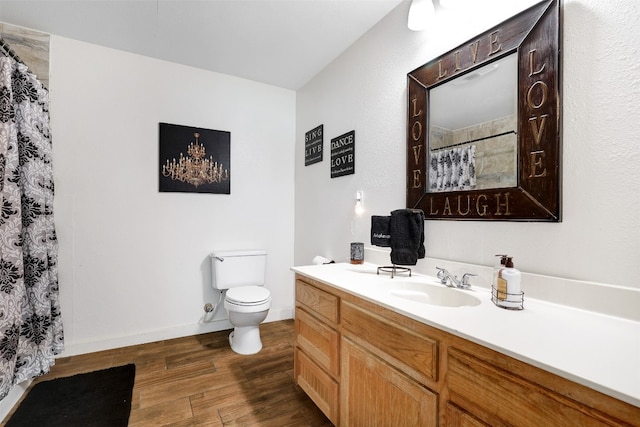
column 200, row 381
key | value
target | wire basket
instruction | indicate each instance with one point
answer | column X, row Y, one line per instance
column 506, row 300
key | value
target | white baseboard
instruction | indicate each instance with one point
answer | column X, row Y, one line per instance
column 72, row 349
column 12, row 399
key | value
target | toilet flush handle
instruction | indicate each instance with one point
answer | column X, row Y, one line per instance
column 219, row 258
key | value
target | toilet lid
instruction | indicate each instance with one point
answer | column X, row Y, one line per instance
column 248, row 295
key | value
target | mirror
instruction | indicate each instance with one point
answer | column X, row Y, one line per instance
column 483, row 125
column 473, row 129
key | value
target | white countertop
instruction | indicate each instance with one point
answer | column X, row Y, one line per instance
column 599, row 351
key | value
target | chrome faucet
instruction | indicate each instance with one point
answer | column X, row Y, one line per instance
column 451, row 280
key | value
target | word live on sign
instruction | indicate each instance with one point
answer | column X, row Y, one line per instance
column 313, row 146
column 343, row 154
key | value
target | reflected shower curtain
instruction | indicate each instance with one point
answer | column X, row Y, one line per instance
column 453, row 169
column 30, row 320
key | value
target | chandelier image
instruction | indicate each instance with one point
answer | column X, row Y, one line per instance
column 194, row 169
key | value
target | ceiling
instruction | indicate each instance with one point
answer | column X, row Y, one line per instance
column 284, row 43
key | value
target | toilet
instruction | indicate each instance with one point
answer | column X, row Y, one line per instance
column 241, row 274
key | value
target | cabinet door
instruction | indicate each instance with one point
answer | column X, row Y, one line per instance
column 318, row 385
column 373, row 393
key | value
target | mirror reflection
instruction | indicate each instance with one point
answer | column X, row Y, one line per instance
column 473, row 129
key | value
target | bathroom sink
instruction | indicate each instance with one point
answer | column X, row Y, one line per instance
column 433, row 294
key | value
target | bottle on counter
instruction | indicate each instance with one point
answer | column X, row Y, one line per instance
column 509, row 290
column 496, row 272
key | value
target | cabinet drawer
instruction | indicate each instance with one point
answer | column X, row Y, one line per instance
column 456, row 417
column 317, row 302
column 317, row 340
column 318, row 385
column 500, row 398
column 413, row 353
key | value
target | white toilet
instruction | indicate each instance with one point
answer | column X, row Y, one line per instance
column 247, row 301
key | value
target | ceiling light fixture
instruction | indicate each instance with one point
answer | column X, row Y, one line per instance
column 421, row 12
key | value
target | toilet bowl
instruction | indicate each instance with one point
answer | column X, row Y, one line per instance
column 247, row 307
column 241, row 274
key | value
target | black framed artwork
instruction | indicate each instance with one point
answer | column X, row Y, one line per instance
column 343, row 155
column 313, row 141
column 194, row 160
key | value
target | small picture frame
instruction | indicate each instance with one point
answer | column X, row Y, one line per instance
column 343, row 156
column 313, row 146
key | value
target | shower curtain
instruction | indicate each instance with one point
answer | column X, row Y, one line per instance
column 30, row 320
column 453, row 169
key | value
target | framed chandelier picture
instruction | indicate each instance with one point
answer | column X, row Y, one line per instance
column 194, row 160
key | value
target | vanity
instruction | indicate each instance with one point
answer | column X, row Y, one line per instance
column 483, row 142
column 372, row 350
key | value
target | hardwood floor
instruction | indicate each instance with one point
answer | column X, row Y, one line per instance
column 200, row 381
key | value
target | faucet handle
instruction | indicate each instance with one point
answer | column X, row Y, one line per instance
column 465, row 279
column 443, row 275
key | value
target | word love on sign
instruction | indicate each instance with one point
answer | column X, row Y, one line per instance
column 343, row 154
column 313, row 146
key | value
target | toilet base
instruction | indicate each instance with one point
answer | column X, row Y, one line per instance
column 245, row 340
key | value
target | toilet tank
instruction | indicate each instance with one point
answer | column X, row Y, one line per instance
column 238, row 268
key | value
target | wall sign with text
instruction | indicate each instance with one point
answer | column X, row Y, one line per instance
column 343, row 154
column 534, row 35
column 313, row 146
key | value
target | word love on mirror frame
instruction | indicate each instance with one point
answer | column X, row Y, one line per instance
column 534, row 36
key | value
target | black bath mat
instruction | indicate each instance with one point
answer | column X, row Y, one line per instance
column 100, row 398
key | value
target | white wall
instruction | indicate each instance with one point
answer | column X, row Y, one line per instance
column 365, row 90
column 134, row 263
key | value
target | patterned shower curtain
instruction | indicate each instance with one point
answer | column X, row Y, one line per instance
column 30, row 320
column 453, row 169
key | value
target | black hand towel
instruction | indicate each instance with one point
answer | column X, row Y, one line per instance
column 380, row 234
column 407, row 236
column 421, row 250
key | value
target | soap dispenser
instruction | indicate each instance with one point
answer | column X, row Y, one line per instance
column 509, row 293
column 496, row 273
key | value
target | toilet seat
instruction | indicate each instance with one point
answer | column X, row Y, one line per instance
column 248, row 295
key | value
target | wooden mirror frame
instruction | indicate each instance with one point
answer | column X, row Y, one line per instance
column 534, row 35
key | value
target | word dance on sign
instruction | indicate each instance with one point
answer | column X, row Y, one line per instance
column 343, row 154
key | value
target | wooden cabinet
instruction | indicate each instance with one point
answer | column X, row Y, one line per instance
column 320, row 303
column 365, row 365
column 319, row 341
column 501, row 391
column 318, row 385
column 317, row 347
column 373, row 393
column 456, row 417
column 407, row 347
